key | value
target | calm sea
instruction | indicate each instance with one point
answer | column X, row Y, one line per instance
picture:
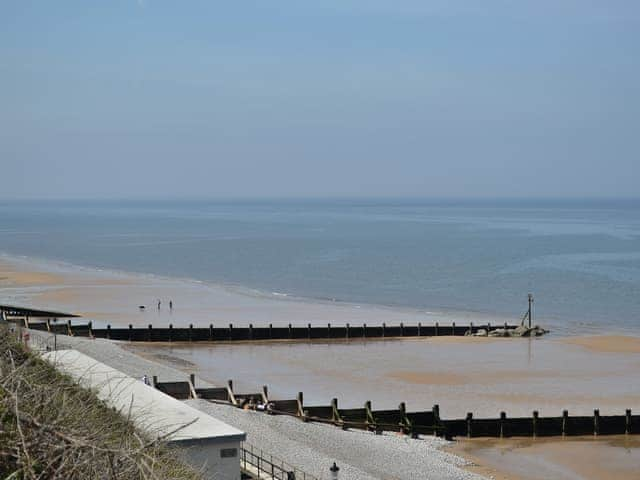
column 581, row 259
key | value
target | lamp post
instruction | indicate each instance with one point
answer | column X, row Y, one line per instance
column 334, row 471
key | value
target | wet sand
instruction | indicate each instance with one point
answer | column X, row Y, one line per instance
column 584, row 458
column 113, row 297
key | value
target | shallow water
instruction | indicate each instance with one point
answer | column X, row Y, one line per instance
column 483, row 376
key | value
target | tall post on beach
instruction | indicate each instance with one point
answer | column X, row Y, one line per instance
column 530, row 308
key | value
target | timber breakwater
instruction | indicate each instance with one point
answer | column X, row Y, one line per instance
column 50, row 321
column 426, row 422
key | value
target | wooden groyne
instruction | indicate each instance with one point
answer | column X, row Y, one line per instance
column 233, row 333
column 427, row 422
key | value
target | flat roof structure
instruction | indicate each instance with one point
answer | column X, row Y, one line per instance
column 207, row 441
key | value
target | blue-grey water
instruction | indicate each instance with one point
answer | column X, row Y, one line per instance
column 581, row 259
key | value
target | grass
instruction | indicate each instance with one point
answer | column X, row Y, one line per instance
column 52, row 428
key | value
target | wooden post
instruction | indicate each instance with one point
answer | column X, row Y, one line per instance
column 401, row 329
column 265, row 394
column 271, row 331
column 503, row 419
column 309, row 331
column 149, row 330
column 419, row 329
column 231, row 331
column 109, row 331
column 192, row 385
column 436, row 329
column 565, row 422
column 436, row 419
column 453, row 328
column 251, row 331
column 211, row 331
column 596, row 422
column 301, row 412
column 627, row 421
column 130, row 332
column 535, row 423
column 347, row 331
column 364, row 330
column 469, row 424
column 471, row 328
column 384, row 328
column 155, row 381
column 335, row 415
column 328, row 330
column 290, row 332
column 191, row 332
column 69, row 330
column 90, row 328
column 170, row 332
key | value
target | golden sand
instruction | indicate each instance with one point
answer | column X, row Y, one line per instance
column 585, row 458
column 607, row 343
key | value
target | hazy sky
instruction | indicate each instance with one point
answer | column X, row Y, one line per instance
column 330, row 98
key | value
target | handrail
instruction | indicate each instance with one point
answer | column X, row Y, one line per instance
column 268, row 466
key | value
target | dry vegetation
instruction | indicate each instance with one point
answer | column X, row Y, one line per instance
column 52, row 428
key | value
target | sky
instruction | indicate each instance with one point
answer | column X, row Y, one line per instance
column 339, row 98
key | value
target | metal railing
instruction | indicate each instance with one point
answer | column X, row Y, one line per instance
column 255, row 461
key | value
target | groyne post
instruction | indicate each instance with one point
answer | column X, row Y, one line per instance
column 419, row 329
column 596, row 422
column 290, row 333
column 271, row 331
column 384, row 329
column 301, row 412
column 192, row 385
column 437, row 424
column 328, row 330
column 109, row 331
column 69, row 330
column 503, row 421
column 171, row 332
column 232, row 397
column 130, row 332
column 453, row 328
column 364, row 330
column 154, row 381
column 265, row 394
column 308, row 331
column 401, row 329
column 149, row 329
column 469, row 424
column 191, row 332
column 436, row 332
column 627, row 421
column 251, row 331
column 231, row 331
column 347, row 331
column 535, row 423
column 565, row 422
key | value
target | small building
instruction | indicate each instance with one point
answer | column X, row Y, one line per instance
column 206, row 442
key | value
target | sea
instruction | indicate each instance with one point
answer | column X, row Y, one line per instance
column 579, row 258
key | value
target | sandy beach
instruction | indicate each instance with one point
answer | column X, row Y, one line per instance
column 481, row 375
